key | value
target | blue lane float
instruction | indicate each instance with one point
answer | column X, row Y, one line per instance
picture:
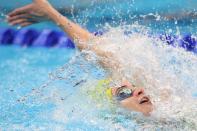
column 35, row 38
column 25, row 37
column 52, row 38
column 186, row 41
column 7, row 36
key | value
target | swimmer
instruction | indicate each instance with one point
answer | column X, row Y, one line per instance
column 130, row 97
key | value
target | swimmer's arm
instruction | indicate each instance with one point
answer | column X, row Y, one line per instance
column 80, row 36
column 42, row 9
column 76, row 33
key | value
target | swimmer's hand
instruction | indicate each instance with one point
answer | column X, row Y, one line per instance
column 29, row 14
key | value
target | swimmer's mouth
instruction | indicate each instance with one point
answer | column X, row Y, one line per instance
column 145, row 100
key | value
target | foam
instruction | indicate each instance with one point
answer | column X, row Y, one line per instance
column 159, row 68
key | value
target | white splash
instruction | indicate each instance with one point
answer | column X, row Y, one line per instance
column 168, row 74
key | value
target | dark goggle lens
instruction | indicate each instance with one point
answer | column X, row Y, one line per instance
column 124, row 93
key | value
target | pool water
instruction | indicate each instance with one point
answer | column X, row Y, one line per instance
column 45, row 88
column 41, row 87
column 23, row 70
column 31, row 91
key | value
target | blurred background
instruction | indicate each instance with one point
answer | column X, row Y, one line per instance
column 93, row 14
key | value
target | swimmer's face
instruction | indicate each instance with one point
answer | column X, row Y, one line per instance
column 138, row 101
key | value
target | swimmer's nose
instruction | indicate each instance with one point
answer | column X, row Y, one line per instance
column 138, row 92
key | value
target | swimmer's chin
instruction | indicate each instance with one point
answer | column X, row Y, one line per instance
column 148, row 113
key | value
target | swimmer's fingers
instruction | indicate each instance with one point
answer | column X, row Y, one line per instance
column 26, row 24
column 21, row 21
column 21, row 10
column 16, row 17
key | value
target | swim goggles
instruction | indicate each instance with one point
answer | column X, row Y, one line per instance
column 121, row 93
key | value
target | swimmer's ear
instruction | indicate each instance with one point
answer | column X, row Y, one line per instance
column 113, row 90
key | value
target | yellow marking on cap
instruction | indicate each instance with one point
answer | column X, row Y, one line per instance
column 109, row 93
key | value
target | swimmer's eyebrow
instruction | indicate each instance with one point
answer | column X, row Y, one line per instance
column 119, row 88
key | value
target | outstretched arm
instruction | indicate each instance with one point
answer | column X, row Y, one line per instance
column 79, row 35
column 41, row 8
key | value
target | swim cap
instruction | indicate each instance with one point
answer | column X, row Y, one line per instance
column 101, row 93
column 109, row 93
